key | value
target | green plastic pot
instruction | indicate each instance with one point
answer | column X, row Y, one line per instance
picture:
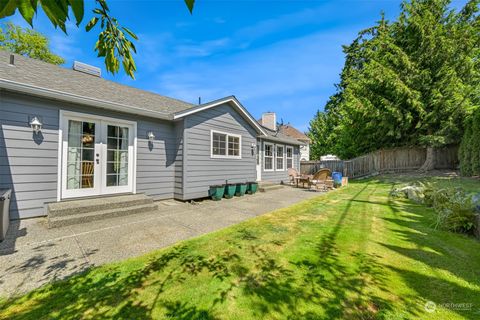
column 252, row 187
column 230, row 190
column 241, row 189
column 216, row 192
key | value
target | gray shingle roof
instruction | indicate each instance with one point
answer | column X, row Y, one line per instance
column 47, row 76
column 280, row 137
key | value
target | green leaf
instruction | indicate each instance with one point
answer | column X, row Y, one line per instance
column 91, row 24
column 27, row 42
column 133, row 35
column 190, row 4
column 26, row 10
column 78, row 10
column 7, row 8
column 57, row 12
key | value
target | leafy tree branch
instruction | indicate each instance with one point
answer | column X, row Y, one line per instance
column 115, row 42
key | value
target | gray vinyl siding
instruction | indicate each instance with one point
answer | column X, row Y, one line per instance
column 200, row 169
column 178, row 177
column 279, row 176
column 156, row 160
column 29, row 164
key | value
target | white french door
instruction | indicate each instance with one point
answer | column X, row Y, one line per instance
column 259, row 162
column 97, row 155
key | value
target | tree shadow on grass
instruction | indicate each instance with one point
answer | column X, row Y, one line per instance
column 443, row 293
column 341, row 286
column 413, row 223
column 109, row 294
column 325, row 283
column 456, row 254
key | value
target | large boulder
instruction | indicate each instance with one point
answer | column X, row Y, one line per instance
column 413, row 193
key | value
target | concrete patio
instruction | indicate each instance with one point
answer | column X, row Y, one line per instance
column 33, row 255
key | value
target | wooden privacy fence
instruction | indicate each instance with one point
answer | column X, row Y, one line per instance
column 383, row 161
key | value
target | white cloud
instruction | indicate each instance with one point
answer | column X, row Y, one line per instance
column 295, row 74
column 282, row 68
column 201, row 49
column 64, row 45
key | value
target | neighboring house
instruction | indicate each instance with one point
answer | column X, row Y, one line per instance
column 67, row 134
column 269, row 120
column 329, row 157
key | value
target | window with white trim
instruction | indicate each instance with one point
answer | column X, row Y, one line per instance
column 225, row 145
column 289, row 157
column 233, row 146
column 280, row 158
column 268, row 157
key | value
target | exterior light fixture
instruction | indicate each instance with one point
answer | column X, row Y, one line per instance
column 150, row 136
column 36, row 125
column 254, row 148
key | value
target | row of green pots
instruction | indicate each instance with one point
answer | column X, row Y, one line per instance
column 229, row 190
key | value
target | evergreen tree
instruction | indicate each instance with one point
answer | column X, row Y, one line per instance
column 409, row 82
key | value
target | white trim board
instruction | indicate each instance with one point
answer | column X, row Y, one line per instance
column 63, row 115
column 292, row 157
column 226, row 156
column 283, row 157
column 273, row 156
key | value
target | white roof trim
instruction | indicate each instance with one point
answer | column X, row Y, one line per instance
column 63, row 96
column 215, row 103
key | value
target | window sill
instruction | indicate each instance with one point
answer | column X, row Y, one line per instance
column 226, row 157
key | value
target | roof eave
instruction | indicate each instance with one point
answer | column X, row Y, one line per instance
column 68, row 97
column 292, row 142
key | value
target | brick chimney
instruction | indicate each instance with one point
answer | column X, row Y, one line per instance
column 269, row 120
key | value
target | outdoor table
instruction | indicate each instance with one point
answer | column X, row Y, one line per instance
column 302, row 180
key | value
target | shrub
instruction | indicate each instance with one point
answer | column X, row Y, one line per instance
column 454, row 207
column 454, row 210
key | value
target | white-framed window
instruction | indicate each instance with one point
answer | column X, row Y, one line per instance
column 289, row 156
column 268, row 156
column 226, row 145
column 279, row 158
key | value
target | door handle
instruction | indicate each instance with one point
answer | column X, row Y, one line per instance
column 97, row 160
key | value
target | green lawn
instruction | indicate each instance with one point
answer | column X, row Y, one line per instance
column 351, row 254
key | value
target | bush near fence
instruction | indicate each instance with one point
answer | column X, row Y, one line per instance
column 385, row 161
column 470, row 146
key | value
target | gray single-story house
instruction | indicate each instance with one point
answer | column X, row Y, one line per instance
column 67, row 134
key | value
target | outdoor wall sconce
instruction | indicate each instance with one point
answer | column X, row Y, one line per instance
column 150, row 136
column 36, row 125
column 254, row 147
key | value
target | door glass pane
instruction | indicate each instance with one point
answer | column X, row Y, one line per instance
column 117, row 156
column 80, row 154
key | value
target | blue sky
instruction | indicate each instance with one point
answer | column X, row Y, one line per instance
column 282, row 56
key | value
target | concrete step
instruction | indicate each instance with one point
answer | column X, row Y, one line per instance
column 74, row 207
column 265, row 187
column 67, row 220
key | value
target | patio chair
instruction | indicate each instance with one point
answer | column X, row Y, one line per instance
column 87, row 174
column 321, row 179
column 292, row 174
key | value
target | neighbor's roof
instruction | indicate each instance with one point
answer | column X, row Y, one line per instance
column 290, row 131
column 44, row 79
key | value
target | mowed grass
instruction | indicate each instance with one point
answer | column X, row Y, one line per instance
column 353, row 253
